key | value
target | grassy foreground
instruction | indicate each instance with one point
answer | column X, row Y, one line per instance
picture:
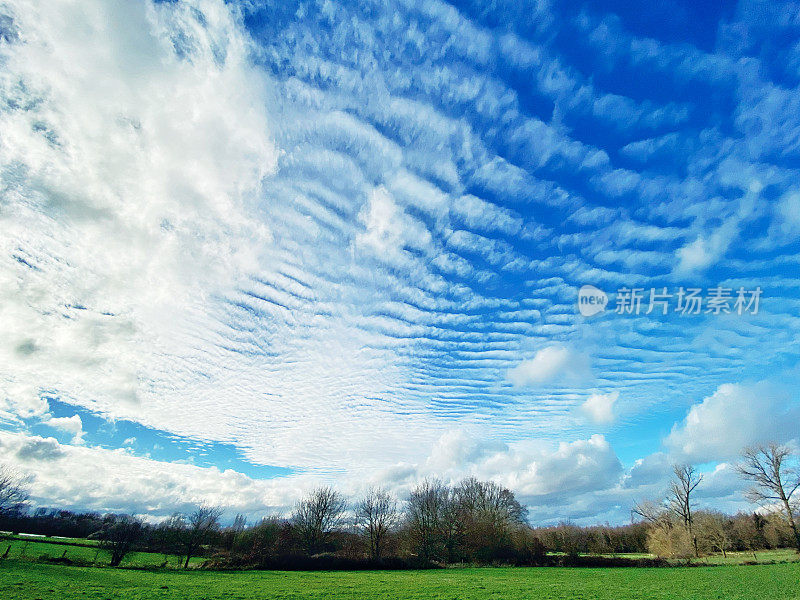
column 23, row 580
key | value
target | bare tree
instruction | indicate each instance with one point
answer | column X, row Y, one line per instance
column 317, row 516
column 715, row 531
column 489, row 500
column 671, row 520
column 13, row 490
column 377, row 514
column 488, row 513
column 680, row 498
column 263, row 540
column 775, row 480
column 427, row 511
column 120, row 537
column 197, row 528
column 452, row 526
column 652, row 513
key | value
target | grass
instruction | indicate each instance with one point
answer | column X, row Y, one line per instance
column 51, row 540
column 82, row 551
column 24, row 580
column 732, row 558
column 761, row 556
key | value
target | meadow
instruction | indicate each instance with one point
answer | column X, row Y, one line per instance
column 82, row 551
column 27, row 574
column 24, row 580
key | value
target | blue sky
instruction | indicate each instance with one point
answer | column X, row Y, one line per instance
column 251, row 247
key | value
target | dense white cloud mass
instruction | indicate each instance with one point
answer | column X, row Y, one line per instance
column 103, row 479
column 543, row 476
column 114, row 480
column 733, row 417
column 127, row 173
column 347, row 239
column 575, row 467
column 132, row 186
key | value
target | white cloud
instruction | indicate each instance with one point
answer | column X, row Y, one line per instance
column 388, row 229
column 456, row 449
column 735, row 416
column 653, row 469
column 100, row 479
column 72, row 425
column 139, row 212
column 789, row 210
column 129, row 178
column 542, row 476
column 786, row 220
column 92, row 478
column 478, row 214
column 708, row 248
column 36, row 450
column 600, row 407
column 582, row 479
column 575, row 467
column 703, row 251
column 722, row 482
column 552, row 365
column 20, row 401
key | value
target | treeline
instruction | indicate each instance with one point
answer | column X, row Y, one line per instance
column 716, row 532
column 570, row 539
column 277, row 542
column 54, row 522
column 474, row 522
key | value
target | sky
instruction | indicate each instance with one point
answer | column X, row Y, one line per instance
column 249, row 248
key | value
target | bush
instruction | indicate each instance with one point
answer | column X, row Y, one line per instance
column 670, row 542
column 318, row 562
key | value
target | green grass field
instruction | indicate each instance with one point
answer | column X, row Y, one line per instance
column 23, row 580
column 82, row 551
column 737, row 558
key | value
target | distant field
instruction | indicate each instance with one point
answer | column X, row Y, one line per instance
column 24, row 580
column 737, row 558
column 732, row 558
column 52, row 539
column 81, row 551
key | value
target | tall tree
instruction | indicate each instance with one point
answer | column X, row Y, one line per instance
column 197, row 529
column 427, row 513
column 488, row 513
column 13, row 490
column 685, row 480
column 377, row 514
column 316, row 516
column 120, row 536
column 167, row 536
column 775, row 480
